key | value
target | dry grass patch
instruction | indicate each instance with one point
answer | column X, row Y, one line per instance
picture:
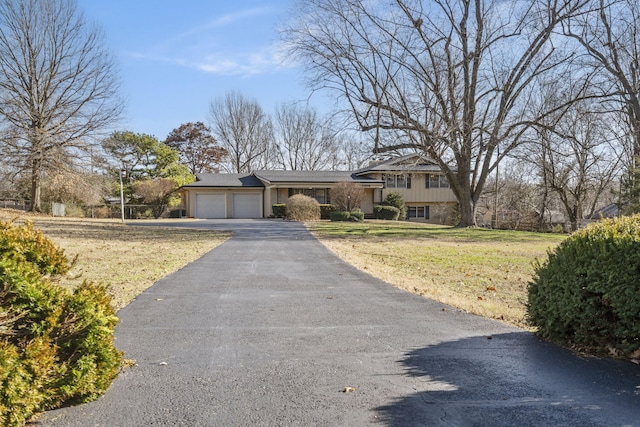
column 480, row 271
column 127, row 258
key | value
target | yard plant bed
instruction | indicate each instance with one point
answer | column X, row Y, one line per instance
column 128, row 259
column 480, row 271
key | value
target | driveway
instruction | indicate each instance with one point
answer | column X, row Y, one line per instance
column 272, row 329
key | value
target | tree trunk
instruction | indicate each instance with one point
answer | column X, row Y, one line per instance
column 467, row 212
column 36, row 205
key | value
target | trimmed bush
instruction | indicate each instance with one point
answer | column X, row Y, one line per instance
column 279, row 210
column 357, row 215
column 386, row 212
column 347, row 216
column 56, row 347
column 396, row 200
column 340, row 216
column 302, row 208
column 587, row 293
column 325, row 210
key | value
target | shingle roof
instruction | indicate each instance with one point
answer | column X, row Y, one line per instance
column 310, row 176
column 226, row 180
column 408, row 163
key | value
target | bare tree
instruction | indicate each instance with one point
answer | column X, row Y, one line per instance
column 347, row 196
column 609, row 32
column 354, row 151
column 244, row 130
column 576, row 161
column 198, row 149
column 454, row 76
column 58, row 83
column 303, row 140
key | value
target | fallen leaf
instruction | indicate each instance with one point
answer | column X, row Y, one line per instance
column 491, row 288
column 480, row 298
column 348, row 389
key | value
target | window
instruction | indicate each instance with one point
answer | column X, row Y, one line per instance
column 390, row 181
column 421, row 212
column 320, row 194
column 397, row 181
column 436, row 181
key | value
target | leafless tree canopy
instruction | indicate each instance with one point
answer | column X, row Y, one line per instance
column 303, row 140
column 609, row 32
column 244, row 130
column 454, row 76
column 58, row 84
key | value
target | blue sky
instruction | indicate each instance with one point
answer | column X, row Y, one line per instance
column 175, row 57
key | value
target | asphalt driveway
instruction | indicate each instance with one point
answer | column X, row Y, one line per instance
column 271, row 329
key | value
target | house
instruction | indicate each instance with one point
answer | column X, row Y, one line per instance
column 420, row 180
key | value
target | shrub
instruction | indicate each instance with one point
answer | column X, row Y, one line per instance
column 587, row 292
column 302, row 208
column 340, row 216
column 386, row 212
column 55, row 346
column 395, row 199
column 326, row 210
column 279, row 210
column 347, row 216
column 357, row 215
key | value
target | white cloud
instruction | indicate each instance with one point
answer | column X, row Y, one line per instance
column 228, row 52
column 228, row 19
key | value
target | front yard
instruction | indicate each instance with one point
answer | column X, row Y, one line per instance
column 476, row 270
column 128, row 259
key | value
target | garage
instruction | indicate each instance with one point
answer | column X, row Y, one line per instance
column 247, row 205
column 211, row 206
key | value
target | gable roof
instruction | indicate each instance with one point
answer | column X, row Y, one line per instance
column 407, row 163
column 226, row 180
column 316, row 177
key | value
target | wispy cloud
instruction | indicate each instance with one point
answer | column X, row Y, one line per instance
column 221, row 47
column 228, row 19
column 226, row 64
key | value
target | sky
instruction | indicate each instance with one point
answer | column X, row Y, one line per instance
column 176, row 57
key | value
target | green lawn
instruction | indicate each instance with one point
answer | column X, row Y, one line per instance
column 477, row 270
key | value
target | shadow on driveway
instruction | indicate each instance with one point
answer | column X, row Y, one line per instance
column 514, row 379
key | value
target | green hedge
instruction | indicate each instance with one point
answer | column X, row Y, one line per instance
column 326, row 210
column 56, row 346
column 396, row 200
column 347, row 216
column 279, row 210
column 386, row 212
column 587, row 292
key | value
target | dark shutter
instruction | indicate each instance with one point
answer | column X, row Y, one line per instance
column 426, row 212
column 408, row 181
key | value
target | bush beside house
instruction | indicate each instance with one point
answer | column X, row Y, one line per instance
column 302, row 208
column 386, row 212
column 396, row 200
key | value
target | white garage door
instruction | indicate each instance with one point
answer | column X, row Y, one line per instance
column 247, row 205
column 211, row 206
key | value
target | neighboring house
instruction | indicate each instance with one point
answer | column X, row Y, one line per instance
column 424, row 188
